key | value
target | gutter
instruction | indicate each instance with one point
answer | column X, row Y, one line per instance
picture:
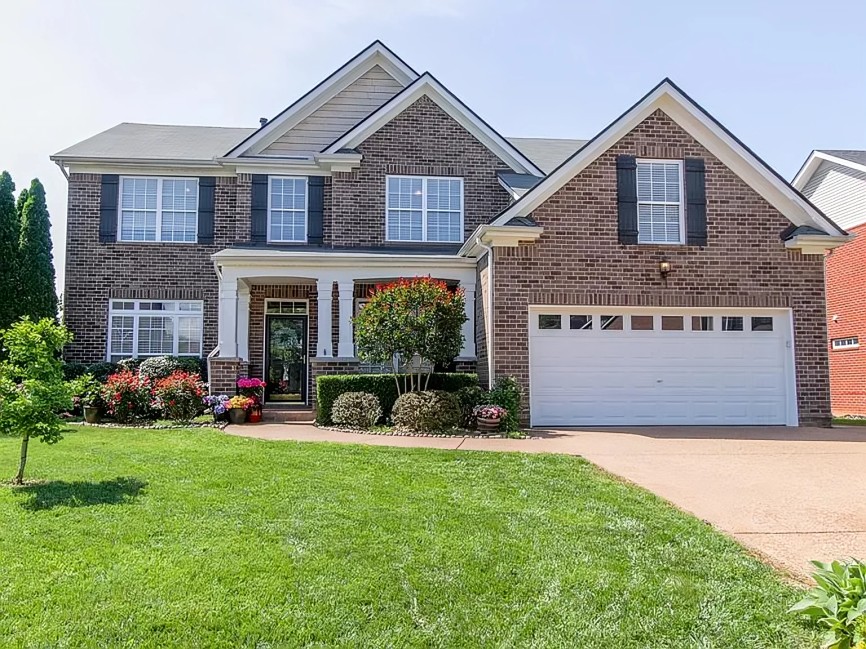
column 60, row 166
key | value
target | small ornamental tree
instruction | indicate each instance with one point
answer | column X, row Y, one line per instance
column 417, row 318
column 32, row 389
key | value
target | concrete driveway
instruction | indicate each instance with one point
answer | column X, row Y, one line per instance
column 790, row 494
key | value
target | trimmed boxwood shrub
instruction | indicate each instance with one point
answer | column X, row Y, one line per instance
column 469, row 397
column 356, row 409
column 329, row 387
column 426, row 411
column 101, row 371
column 159, row 367
column 73, row 370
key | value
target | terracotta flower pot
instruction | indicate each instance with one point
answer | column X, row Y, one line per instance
column 92, row 414
column 237, row 415
column 486, row 426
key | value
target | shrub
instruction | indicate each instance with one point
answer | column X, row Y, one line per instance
column 127, row 396
column 506, row 392
column 73, row 370
column 87, row 392
column 179, row 396
column 838, row 603
column 158, row 367
column 129, row 364
column 426, row 411
column 469, row 397
column 356, row 409
column 101, row 371
column 383, row 386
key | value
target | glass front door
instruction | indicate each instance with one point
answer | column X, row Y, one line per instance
column 286, row 359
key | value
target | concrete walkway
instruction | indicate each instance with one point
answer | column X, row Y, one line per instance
column 790, row 494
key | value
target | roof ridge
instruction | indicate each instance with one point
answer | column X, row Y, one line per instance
column 185, row 125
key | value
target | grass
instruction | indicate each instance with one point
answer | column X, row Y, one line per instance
column 153, row 538
column 849, row 421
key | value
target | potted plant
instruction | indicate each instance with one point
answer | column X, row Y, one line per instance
column 238, row 407
column 255, row 390
column 218, row 405
column 90, row 396
column 488, row 417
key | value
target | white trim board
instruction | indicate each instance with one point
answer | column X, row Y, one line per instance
column 375, row 54
column 427, row 85
column 814, row 161
column 667, row 97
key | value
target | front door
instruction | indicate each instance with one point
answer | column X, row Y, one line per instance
column 286, row 359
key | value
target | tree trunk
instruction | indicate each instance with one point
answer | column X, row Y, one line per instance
column 19, row 477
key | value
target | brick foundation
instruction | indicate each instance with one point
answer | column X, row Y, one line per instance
column 224, row 372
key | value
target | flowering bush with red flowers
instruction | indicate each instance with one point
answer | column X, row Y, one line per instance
column 127, row 396
column 179, row 396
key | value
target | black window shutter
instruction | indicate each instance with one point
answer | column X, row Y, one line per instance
column 259, row 217
column 626, row 198
column 315, row 209
column 108, row 214
column 206, row 189
column 696, row 203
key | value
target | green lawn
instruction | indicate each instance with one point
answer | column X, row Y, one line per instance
column 197, row 539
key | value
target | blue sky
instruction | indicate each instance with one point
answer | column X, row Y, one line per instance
column 785, row 77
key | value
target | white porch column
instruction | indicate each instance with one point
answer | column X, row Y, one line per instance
column 228, row 318
column 243, row 332
column 347, row 303
column 325, row 298
column 468, row 350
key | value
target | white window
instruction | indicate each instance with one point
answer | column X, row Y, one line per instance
column 660, row 214
column 424, row 209
column 852, row 342
column 287, row 209
column 158, row 209
column 140, row 328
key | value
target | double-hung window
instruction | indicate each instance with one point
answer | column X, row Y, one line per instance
column 158, row 209
column 660, row 209
column 287, row 209
column 141, row 328
column 424, row 209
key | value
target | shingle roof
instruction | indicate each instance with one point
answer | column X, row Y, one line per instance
column 158, row 142
column 846, row 154
column 547, row 153
column 203, row 143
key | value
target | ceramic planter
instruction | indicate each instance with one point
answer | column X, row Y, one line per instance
column 92, row 414
column 237, row 415
column 488, row 425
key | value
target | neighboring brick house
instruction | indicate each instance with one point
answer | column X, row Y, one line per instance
column 659, row 273
column 835, row 181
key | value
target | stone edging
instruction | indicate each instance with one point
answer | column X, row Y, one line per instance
column 215, row 425
column 397, row 433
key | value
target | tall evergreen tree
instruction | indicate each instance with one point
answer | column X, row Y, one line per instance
column 9, row 235
column 37, row 295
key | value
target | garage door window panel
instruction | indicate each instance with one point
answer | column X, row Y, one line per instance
column 762, row 323
column 732, row 323
column 547, row 321
column 580, row 322
column 702, row 323
column 642, row 323
column 611, row 323
column 672, row 323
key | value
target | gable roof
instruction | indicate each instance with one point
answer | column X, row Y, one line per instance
column 427, row 85
column 377, row 53
column 156, row 142
column 845, row 157
column 696, row 121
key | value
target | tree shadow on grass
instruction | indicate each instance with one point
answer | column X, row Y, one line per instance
column 58, row 493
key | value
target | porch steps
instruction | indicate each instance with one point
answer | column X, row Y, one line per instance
column 286, row 414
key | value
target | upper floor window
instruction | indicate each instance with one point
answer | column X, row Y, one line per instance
column 660, row 213
column 287, row 209
column 424, row 209
column 158, row 209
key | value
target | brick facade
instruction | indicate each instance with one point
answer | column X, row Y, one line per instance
column 578, row 260
column 422, row 140
column 846, row 276
column 96, row 272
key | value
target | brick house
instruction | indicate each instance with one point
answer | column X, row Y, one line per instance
column 835, row 181
column 659, row 273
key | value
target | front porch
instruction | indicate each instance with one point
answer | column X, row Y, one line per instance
column 286, row 316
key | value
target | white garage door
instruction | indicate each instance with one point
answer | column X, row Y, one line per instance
column 612, row 366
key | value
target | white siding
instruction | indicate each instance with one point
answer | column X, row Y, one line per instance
column 340, row 113
column 839, row 192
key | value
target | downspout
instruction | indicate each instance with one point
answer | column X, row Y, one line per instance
column 489, row 250
column 62, row 169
